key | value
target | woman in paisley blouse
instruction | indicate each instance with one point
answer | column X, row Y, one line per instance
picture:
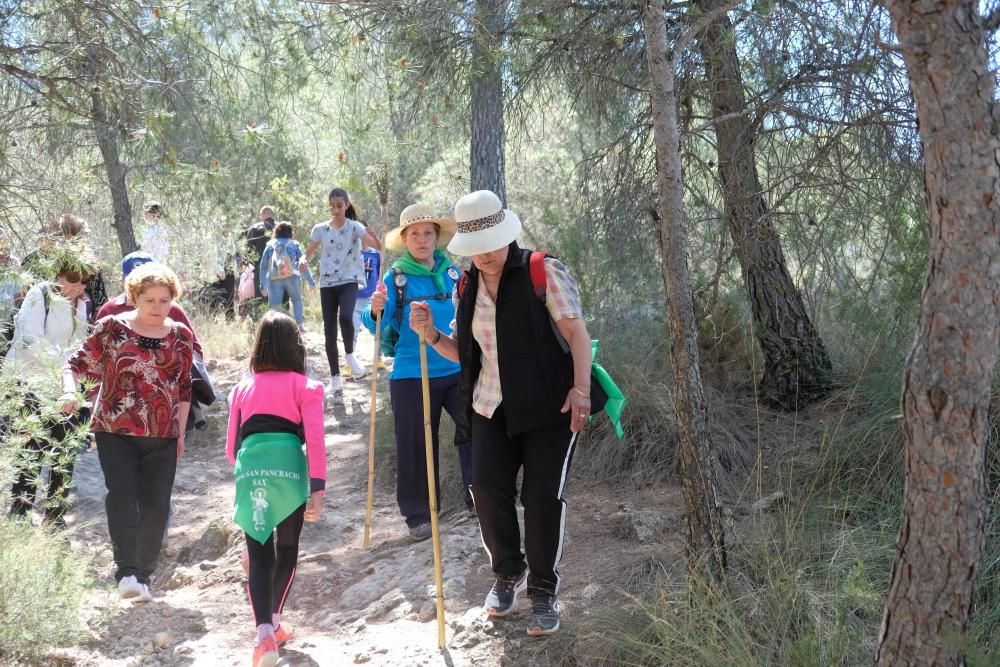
column 142, row 361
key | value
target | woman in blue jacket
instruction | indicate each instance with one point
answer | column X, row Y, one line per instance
column 425, row 274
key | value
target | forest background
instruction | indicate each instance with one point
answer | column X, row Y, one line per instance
column 802, row 225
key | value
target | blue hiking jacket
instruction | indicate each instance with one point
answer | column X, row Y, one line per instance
column 418, row 288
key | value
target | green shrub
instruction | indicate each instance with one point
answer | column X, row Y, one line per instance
column 43, row 586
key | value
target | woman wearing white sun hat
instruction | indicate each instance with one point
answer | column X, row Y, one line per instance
column 526, row 394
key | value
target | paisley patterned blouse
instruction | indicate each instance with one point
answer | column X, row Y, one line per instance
column 143, row 380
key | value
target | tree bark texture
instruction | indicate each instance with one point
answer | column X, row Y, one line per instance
column 486, row 112
column 107, row 142
column 706, row 547
column 797, row 368
column 946, row 382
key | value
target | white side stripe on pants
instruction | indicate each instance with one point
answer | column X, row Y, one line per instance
column 562, row 518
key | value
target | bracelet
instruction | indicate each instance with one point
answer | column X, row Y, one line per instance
column 586, row 396
column 436, row 340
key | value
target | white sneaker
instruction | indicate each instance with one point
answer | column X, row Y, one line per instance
column 144, row 595
column 336, row 385
column 357, row 370
column 129, row 587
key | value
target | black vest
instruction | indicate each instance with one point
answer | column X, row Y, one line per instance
column 535, row 373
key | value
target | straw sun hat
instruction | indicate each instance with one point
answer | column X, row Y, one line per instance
column 413, row 215
column 484, row 225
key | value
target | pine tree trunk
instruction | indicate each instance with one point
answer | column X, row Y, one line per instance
column 797, row 369
column 946, row 382
column 706, row 547
column 107, row 142
column 487, row 144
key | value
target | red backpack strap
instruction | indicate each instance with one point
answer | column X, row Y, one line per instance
column 536, row 268
column 462, row 282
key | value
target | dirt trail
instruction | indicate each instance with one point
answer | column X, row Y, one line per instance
column 348, row 606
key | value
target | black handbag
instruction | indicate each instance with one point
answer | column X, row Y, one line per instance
column 201, row 383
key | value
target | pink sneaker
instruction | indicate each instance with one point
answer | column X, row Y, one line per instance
column 283, row 633
column 265, row 654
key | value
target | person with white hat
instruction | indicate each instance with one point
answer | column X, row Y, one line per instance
column 526, row 394
column 426, row 275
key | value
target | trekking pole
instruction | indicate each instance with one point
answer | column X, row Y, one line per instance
column 432, row 487
column 371, row 432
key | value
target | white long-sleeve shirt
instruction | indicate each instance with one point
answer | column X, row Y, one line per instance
column 156, row 241
column 42, row 343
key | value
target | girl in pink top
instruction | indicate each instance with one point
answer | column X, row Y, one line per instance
column 270, row 414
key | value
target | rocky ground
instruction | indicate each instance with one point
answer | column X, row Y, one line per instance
column 348, row 605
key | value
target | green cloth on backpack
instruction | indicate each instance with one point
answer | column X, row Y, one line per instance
column 616, row 400
column 407, row 264
column 272, row 481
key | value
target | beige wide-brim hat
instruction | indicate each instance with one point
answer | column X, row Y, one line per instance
column 415, row 214
column 484, row 225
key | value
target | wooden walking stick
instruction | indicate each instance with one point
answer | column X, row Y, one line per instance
column 432, row 487
column 381, row 181
column 371, row 430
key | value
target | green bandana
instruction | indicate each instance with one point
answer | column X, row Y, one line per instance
column 272, row 481
column 407, row 264
column 616, row 400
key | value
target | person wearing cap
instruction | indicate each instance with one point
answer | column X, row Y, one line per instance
column 121, row 304
column 423, row 274
column 524, row 398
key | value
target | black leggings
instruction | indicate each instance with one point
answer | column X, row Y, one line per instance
column 340, row 298
column 272, row 567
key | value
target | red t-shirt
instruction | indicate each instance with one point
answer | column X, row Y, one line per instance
column 120, row 304
column 141, row 388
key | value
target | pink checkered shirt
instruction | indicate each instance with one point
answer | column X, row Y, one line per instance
column 563, row 302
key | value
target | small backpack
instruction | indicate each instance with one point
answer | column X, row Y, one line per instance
column 246, row 289
column 281, row 263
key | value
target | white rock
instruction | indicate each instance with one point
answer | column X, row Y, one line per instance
column 162, row 639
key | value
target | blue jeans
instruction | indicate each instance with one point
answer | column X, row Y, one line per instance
column 292, row 286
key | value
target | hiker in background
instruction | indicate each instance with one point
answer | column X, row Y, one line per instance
column 67, row 227
column 339, row 242
column 142, row 361
column 525, row 396
column 424, row 274
column 10, row 293
column 271, row 413
column 155, row 238
column 257, row 237
column 372, row 260
column 49, row 326
column 245, row 291
column 280, row 276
